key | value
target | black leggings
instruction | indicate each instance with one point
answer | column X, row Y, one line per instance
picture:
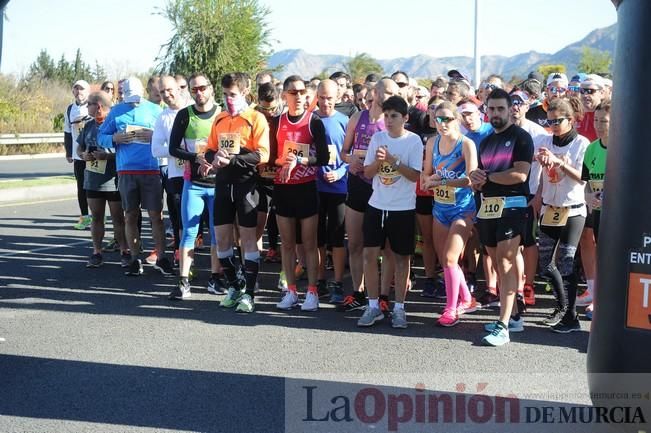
column 174, row 193
column 79, row 169
column 556, row 250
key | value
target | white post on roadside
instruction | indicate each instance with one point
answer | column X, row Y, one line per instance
column 477, row 55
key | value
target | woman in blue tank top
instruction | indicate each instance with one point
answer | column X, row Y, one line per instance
column 449, row 157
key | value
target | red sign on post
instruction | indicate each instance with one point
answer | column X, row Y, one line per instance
column 638, row 313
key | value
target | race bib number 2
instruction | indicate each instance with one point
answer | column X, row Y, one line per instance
column 555, row 216
column 491, row 208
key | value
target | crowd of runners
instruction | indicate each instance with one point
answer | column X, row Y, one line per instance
column 504, row 178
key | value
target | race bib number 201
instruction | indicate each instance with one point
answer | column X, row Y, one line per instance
column 445, row 194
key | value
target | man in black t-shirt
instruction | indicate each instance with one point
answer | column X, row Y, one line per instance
column 502, row 178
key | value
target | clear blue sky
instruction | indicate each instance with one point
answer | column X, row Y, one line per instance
column 433, row 27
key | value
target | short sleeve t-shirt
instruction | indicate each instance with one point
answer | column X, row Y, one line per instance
column 594, row 162
column 477, row 136
column 391, row 190
column 96, row 180
column 499, row 152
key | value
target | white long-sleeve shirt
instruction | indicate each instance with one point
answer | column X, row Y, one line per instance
column 160, row 143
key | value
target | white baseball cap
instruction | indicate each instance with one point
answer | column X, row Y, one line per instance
column 133, row 90
column 81, row 83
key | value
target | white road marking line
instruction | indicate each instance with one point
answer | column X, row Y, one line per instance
column 37, row 250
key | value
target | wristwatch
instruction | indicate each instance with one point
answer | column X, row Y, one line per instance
column 444, row 182
column 397, row 163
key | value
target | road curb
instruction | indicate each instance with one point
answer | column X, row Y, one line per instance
column 34, row 156
column 38, row 193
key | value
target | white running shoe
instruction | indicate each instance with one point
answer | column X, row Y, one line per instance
column 311, row 302
column 289, row 301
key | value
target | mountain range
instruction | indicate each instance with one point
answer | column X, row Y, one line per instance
column 297, row 61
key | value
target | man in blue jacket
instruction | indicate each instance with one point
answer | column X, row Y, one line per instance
column 128, row 128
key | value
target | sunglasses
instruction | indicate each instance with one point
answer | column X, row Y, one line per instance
column 402, row 84
column 556, row 90
column 556, row 122
column 109, row 88
column 433, row 107
column 260, row 107
column 200, row 88
column 442, row 119
column 517, row 102
column 576, row 89
column 297, row 92
column 490, row 86
column 588, row 91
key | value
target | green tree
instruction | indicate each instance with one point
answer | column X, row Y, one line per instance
column 594, row 61
column 64, row 70
column 99, row 73
column 215, row 37
column 81, row 70
column 362, row 64
column 545, row 70
column 43, row 68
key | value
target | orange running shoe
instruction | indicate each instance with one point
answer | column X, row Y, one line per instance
column 529, row 295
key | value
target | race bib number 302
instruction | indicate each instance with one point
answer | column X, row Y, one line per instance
column 230, row 142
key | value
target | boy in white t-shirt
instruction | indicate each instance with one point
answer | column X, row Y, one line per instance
column 393, row 160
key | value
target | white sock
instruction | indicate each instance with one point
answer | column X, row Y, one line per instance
column 590, row 284
column 374, row 303
column 398, row 306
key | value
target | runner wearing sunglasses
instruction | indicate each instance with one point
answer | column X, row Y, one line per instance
column 298, row 147
column 519, row 109
column 591, row 96
column 563, row 211
column 448, row 158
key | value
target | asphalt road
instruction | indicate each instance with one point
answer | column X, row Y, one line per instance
column 34, row 168
column 95, row 351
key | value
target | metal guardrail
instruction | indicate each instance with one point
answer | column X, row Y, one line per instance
column 17, row 139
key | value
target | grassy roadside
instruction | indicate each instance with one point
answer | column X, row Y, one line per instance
column 31, row 149
column 25, row 183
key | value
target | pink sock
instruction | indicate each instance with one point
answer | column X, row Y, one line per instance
column 464, row 292
column 451, row 278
